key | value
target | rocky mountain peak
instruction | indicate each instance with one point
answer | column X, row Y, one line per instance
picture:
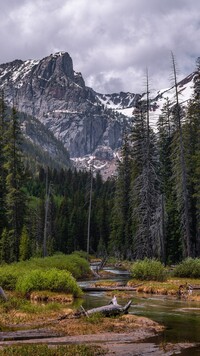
column 53, row 92
column 89, row 124
column 58, row 64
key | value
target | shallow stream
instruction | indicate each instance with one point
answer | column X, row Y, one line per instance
column 181, row 318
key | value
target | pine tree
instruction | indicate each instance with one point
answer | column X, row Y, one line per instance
column 196, row 157
column 5, row 247
column 145, row 185
column 15, row 195
column 24, row 247
column 121, row 237
column 170, row 221
column 180, row 172
column 191, row 136
column 2, row 162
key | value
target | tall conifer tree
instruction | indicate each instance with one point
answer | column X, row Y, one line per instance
column 145, row 184
column 121, row 236
column 191, row 136
column 15, row 196
column 2, row 162
column 180, row 172
column 171, row 223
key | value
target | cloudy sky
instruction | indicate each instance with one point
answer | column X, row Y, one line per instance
column 111, row 42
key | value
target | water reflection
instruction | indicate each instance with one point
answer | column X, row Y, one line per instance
column 181, row 318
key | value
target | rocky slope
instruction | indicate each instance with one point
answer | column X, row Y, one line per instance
column 41, row 146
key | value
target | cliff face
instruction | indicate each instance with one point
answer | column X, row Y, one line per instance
column 54, row 93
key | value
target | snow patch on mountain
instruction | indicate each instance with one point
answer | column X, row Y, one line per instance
column 158, row 99
column 16, row 72
column 124, row 103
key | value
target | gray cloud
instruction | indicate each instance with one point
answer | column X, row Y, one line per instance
column 110, row 41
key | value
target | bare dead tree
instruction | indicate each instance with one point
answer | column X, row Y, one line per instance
column 89, row 213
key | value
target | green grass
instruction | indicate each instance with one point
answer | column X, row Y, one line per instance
column 44, row 350
column 24, row 305
column 95, row 318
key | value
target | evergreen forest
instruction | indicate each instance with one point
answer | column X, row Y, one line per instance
column 152, row 208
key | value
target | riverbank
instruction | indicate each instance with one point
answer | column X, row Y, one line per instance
column 62, row 327
column 122, row 336
column 119, row 336
column 185, row 288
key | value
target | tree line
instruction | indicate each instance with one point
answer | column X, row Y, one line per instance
column 44, row 209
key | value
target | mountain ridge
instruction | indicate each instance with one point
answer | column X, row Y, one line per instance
column 89, row 124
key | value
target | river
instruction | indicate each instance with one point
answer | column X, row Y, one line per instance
column 180, row 318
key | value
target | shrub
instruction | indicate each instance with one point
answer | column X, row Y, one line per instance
column 73, row 264
column 148, row 269
column 82, row 254
column 189, row 268
column 52, row 280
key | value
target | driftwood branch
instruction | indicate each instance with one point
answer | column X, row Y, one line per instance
column 3, row 295
column 84, row 311
column 111, row 309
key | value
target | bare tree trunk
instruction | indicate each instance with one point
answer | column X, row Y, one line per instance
column 89, row 215
column 149, row 244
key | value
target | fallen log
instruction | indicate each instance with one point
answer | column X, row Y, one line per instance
column 28, row 334
column 111, row 309
column 107, row 289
